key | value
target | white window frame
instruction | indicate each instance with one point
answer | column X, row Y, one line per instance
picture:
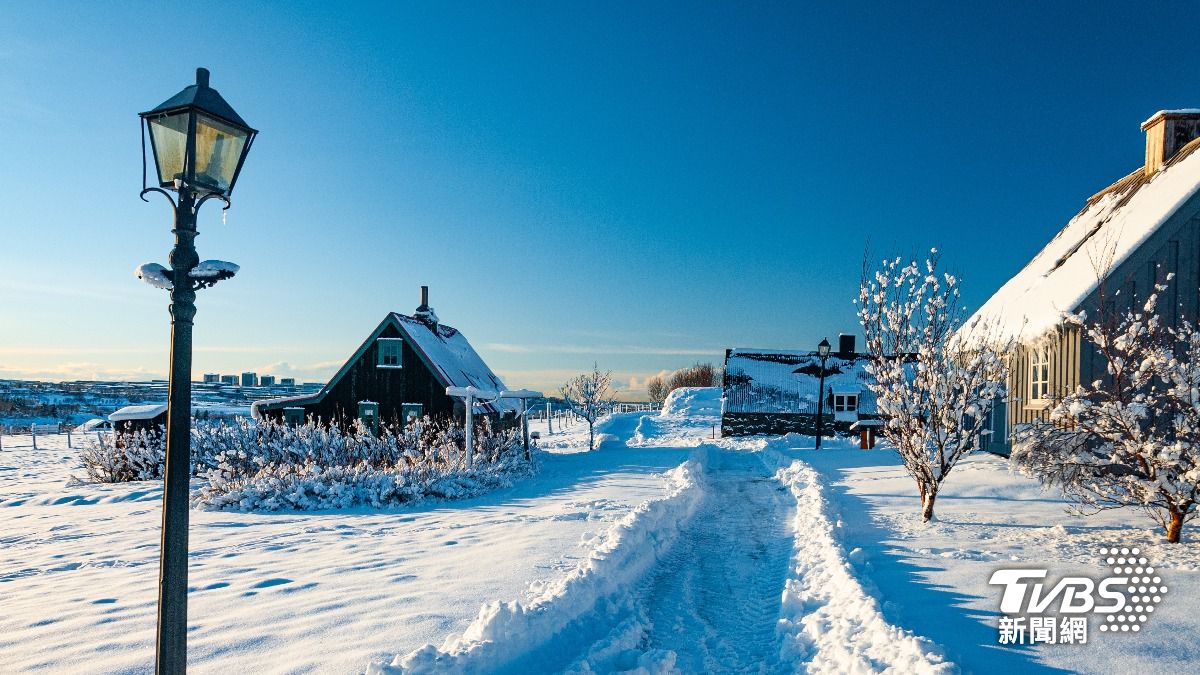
column 1039, row 377
column 849, row 403
column 398, row 344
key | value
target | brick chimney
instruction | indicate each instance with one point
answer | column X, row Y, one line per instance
column 845, row 346
column 424, row 312
column 1166, row 132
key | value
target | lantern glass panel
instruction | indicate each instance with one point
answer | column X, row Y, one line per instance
column 168, row 135
column 219, row 147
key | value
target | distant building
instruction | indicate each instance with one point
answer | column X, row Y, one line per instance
column 229, row 379
column 287, row 382
column 266, row 380
column 401, row 370
column 771, row 391
column 249, row 379
column 211, row 378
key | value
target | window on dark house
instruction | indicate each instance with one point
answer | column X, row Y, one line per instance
column 845, row 402
column 390, row 352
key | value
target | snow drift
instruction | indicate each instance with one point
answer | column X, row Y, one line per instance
column 829, row 623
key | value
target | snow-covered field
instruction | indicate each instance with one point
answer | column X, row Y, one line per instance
column 286, row 592
column 664, row 550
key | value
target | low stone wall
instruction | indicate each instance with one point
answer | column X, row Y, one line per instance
column 778, row 424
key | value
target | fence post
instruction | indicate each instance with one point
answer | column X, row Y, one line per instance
column 33, row 433
column 470, row 431
column 549, row 423
column 68, row 438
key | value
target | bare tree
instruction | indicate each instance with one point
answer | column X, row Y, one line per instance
column 696, row 375
column 1133, row 438
column 934, row 380
column 589, row 396
column 656, row 389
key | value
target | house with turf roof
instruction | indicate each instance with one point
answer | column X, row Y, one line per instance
column 400, row 371
column 1128, row 238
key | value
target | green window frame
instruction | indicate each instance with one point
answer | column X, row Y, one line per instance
column 390, row 352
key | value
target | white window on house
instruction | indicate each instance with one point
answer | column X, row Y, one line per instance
column 1039, row 375
column 390, row 352
column 845, row 402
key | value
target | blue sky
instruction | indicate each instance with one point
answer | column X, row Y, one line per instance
column 639, row 185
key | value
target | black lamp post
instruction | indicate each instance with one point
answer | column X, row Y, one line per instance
column 823, row 352
column 199, row 144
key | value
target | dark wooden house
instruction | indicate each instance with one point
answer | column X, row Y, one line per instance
column 1129, row 237
column 771, row 391
column 399, row 372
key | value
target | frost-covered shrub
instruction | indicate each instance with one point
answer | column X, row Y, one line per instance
column 134, row 456
column 272, row 466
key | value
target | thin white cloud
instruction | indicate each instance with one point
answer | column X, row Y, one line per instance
column 627, row 350
column 78, row 371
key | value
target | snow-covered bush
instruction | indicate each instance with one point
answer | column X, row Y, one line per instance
column 128, row 457
column 1132, row 439
column 934, row 380
column 272, row 466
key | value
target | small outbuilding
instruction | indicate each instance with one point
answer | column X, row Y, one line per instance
column 399, row 372
column 151, row 418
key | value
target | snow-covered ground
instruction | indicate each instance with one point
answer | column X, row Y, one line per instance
column 933, row 579
column 664, row 550
column 287, row 592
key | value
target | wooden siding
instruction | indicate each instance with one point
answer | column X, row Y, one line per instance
column 1063, row 348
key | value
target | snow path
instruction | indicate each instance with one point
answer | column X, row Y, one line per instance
column 714, row 599
column 737, row 569
column 689, row 583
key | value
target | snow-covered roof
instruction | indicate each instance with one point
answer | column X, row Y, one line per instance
column 1168, row 113
column 138, row 412
column 453, row 358
column 1113, row 224
column 774, row 380
column 255, row 407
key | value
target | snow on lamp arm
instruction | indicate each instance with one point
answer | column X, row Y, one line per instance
column 203, row 275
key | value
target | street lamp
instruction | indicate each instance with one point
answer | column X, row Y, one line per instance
column 823, row 352
column 199, row 144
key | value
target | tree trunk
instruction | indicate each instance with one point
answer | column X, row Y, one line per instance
column 927, row 499
column 1175, row 527
column 591, row 437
